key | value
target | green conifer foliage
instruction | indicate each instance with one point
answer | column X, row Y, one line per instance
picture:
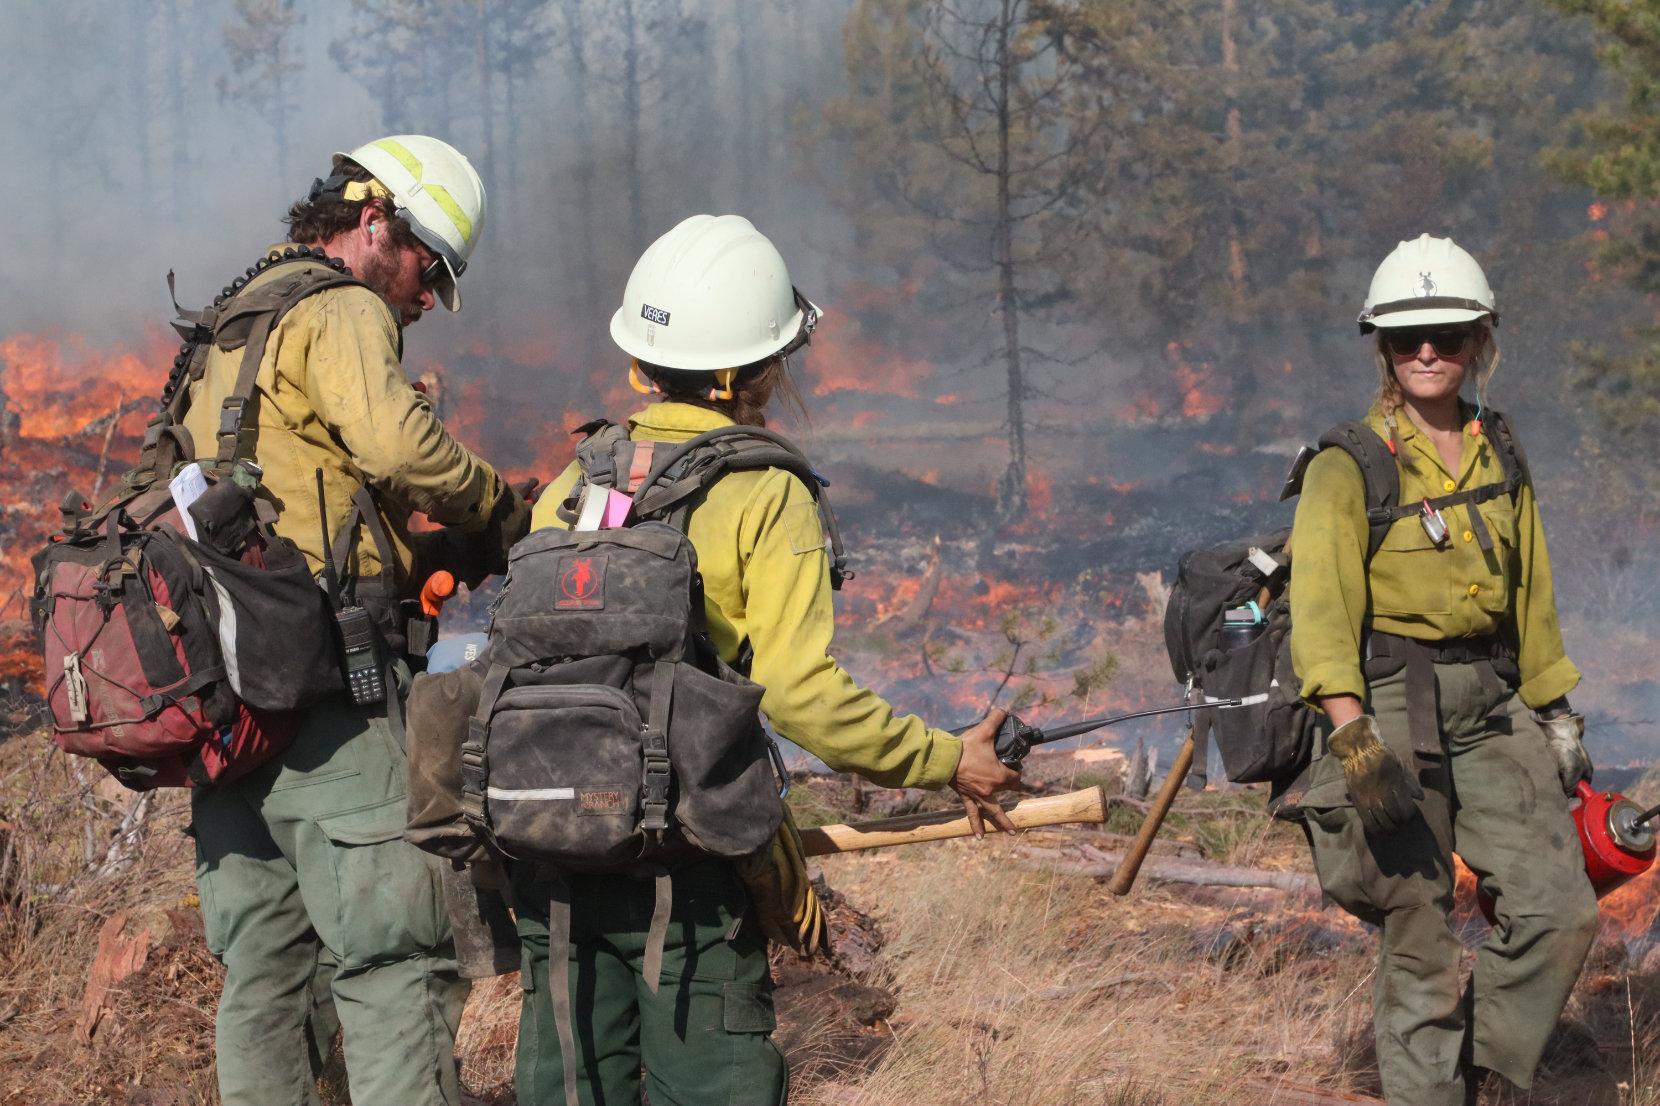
column 1616, row 153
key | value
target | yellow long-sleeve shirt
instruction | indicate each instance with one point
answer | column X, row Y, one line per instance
column 1413, row 588
column 331, row 394
column 766, row 579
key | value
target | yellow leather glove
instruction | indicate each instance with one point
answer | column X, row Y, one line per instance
column 788, row 908
column 1382, row 789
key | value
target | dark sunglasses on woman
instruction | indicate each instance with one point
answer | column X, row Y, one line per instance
column 1447, row 343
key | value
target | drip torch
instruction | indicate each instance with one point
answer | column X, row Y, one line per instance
column 1015, row 738
column 1616, row 836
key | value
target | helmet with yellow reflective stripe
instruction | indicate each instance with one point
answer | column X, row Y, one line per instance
column 436, row 191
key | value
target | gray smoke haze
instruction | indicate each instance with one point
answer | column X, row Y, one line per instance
column 139, row 137
column 124, row 156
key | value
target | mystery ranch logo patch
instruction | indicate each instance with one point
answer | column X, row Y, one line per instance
column 580, row 583
column 654, row 314
column 601, row 802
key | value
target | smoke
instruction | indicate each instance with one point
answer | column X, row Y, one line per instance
column 173, row 135
column 135, row 143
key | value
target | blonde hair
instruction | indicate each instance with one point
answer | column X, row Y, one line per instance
column 1389, row 400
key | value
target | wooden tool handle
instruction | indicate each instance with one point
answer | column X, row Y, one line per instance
column 1086, row 805
column 1124, row 878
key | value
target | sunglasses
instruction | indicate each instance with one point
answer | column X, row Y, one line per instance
column 434, row 274
column 1447, row 343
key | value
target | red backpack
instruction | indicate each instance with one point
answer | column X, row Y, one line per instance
column 170, row 644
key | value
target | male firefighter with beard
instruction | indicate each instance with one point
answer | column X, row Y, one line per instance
column 309, row 895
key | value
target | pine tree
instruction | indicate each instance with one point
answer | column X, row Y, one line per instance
column 954, row 118
column 1616, row 153
column 265, row 66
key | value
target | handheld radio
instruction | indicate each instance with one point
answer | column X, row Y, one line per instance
column 361, row 660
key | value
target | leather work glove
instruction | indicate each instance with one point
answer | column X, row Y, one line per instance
column 472, row 555
column 1382, row 788
column 788, row 908
column 509, row 520
column 1565, row 738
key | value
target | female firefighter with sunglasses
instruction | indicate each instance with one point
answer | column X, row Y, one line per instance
column 710, row 319
column 1427, row 656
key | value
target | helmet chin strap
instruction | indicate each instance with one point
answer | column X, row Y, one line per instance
column 723, row 381
column 641, row 386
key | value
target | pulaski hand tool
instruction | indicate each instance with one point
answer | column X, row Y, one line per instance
column 1087, row 806
column 1015, row 738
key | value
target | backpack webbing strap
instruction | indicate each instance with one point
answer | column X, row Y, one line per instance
column 267, row 312
column 1511, row 458
column 1382, row 513
column 654, row 742
column 657, row 933
column 559, row 975
column 694, row 466
column 475, row 759
column 1200, row 726
column 1377, row 470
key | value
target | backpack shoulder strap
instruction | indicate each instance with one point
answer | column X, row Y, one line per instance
column 1377, row 470
column 679, row 478
column 248, row 319
column 1511, row 458
column 599, row 458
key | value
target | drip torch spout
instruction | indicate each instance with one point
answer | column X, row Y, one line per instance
column 1645, row 816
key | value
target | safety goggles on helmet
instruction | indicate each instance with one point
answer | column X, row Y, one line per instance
column 809, row 322
column 1453, row 342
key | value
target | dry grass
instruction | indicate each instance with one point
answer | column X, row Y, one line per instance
column 976, row 943
column 1017, row 986
column 72, row 858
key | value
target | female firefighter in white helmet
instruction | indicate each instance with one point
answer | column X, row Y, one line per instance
column 710, row 319
column 1426, row 641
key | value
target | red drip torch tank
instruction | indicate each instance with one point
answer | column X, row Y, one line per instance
column 1618, row 847
column 1618, row 843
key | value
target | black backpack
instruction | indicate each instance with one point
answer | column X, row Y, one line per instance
column 1271, row 736
column 609, row 735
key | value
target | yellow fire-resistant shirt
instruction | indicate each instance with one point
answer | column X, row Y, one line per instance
column 1412, row 588
column 331, row 394
column 766, row 578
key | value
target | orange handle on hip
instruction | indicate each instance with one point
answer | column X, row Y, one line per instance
column 439, row 587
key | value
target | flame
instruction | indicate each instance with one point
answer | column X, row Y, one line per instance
column 844, row 357
column 71, row 418
column 1040, row 492
column 57, row 386
column 1195, row 382
column 1631, row 911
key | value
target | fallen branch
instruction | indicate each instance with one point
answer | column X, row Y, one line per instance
column 127, row 837
column 917, row 609
column 1197, row 873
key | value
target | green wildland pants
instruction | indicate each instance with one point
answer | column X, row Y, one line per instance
column 704, row 1038
column 311, row 899
column 1494, row 798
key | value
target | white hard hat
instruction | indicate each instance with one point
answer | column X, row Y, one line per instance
column 437, row 192
column 711, row 294
column 1425, row 282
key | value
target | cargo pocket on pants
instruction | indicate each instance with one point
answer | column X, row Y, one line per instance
column 747, row 1008
column 387, row 903
column 759, row 1072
